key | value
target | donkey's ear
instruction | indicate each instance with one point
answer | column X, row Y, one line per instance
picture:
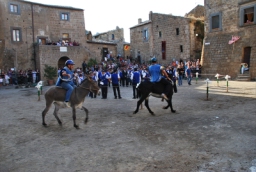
column 88, row 77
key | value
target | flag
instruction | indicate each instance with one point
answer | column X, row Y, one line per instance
column 234, row 39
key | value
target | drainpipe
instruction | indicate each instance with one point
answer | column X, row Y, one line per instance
column 33, row 31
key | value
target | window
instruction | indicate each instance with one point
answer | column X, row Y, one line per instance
column 247, row 15
column 145, row 34
column 215, row 22
column 177, row 31
column 181, row 48
column 16, row 35
column 160, row 34
column 64, row 16
column 113, row 37
column 14, row 8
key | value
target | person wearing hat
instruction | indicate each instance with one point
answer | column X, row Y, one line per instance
column 156, row 72
column 135, row 79
column 105, row 77
column 65, row 80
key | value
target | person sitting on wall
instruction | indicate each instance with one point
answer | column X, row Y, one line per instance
column 244, row 67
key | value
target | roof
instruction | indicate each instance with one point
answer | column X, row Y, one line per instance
column 101, row 42
column 54, row 6
column 142, row 23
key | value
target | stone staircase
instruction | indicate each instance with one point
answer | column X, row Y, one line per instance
column 244, row 77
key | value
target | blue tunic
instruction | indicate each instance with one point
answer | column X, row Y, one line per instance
column 155, row 73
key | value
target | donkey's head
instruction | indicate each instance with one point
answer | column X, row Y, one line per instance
column 91, row 85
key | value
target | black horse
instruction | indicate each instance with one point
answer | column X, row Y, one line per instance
column 147, row 89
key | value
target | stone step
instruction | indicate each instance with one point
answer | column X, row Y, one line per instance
column 243, row 77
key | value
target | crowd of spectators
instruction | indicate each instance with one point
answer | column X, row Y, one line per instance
column 21, row 77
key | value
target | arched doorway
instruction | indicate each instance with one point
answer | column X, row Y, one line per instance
column 61, row 62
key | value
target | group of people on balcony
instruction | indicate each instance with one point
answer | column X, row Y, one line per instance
column 64, row 43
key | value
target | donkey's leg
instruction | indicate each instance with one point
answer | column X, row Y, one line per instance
column 86, row 113
column 170, row 104
column 48, row 105
column 55, row 113
column 166, row 107
column 146, row 104
column 142, row 98
column 74, row 117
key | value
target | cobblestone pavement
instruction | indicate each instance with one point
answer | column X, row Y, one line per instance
column 211, row 135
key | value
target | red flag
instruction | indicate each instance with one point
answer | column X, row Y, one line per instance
column 234, row 39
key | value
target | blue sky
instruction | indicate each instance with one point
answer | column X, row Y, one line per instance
column 102, row 15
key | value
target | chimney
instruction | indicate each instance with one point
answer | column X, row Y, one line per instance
column 139, row 21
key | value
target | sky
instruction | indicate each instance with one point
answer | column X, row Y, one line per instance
column 105, row 15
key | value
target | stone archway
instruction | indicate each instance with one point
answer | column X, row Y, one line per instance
column 61, row 62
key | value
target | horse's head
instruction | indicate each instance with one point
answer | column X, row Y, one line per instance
column 91, row 85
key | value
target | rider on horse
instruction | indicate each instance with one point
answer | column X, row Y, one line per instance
column 65, row 80
column 156, row 72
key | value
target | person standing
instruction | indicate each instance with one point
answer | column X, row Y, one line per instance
column 84, row 65
column 104, row 83
column 180, row 72
column 156, row 72
column 94, row 77
column 124, row 76
column 65, row 80
column 135, row 79
column 189, row 74
column 115, row 78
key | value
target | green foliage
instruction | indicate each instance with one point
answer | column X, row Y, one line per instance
column 92, row 62
column 50, row 72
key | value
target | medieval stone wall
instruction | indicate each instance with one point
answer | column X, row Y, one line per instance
column 220, row 56
column 37, row 21
column 56, row 56
column 96, row 50
column 140, row 46
column 167, row 25
column 118, row 38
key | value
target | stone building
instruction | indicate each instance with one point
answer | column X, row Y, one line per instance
column 226, row 20
column 27, row 29
column 98, row 49
column 168, row 37
column 113, row 37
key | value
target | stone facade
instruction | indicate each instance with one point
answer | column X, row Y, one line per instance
column 225, row 19
column 167, row 37
column 98, row 49
column 38, row 24
column 114, row 36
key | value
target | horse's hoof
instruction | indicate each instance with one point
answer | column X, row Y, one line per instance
column 76, row 126
column 134, row 112
column 165, row 107
column 173, row 111
column 44, row 124
column 86, row 120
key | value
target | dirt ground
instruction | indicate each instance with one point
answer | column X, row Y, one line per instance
column 214, row 135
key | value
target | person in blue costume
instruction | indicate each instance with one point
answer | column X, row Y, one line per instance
column 65, row 80
column 157, row 72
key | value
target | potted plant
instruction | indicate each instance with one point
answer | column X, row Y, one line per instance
column 50, row 73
